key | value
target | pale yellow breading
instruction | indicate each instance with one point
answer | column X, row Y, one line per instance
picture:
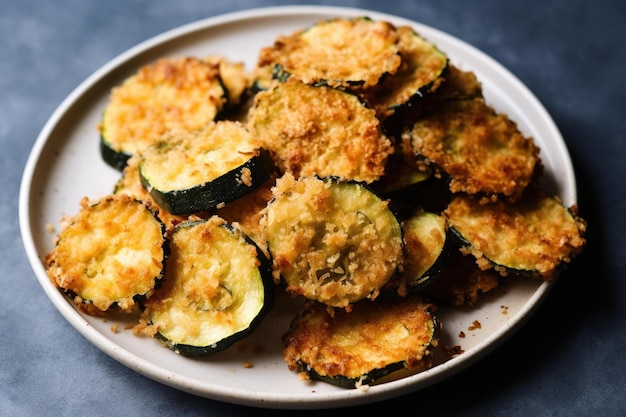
column 212, row 287
column 186, row 159
column 320, row 131
column 234, row 76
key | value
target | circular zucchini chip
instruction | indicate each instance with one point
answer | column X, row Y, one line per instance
column 477, row 149
column 190, row 172
column 217, row 288
column 356, row 348
column 320, row 131
column 111, row 254
column 169, row 94
column 331, row 241
column 341, row 52
column 535, row 235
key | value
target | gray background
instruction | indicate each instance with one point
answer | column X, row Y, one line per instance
column 568, row 360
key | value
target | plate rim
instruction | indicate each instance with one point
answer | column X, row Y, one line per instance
column 241, row 396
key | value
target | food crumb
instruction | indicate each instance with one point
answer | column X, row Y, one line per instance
column 247, row 364
column 461, row 334
column 505, row 310
column 454, row 350
column 115, row 328
column 475, row 325
column 50, row 228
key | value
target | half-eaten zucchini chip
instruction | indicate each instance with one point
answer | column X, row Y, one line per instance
column 333, row 242
column 170, row 94
column 341, row 52
column 535, row 235
column 320, row 131
column 479, row 150
column 357, row 348
column 201, row 170
column 217, row 288
column 111, row 254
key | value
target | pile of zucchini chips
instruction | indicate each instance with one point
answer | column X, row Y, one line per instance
column 354, row 167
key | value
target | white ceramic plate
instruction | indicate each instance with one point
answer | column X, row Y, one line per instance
column 65, row 166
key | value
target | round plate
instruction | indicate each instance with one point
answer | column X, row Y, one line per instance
column 65, row 165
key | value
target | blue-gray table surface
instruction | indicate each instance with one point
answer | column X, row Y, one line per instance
column 568, row 360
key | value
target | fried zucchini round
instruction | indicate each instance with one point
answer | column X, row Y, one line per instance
column 419, row 74
column 330, row 241
column 320, row 131
column 170, row 94
column 189, row 172
column 535, row 235
column 356, row 348
column 479, row 150
column 217, row 288
column 340, row 52
column 111, row 254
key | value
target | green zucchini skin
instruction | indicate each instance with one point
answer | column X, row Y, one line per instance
column 443, row 251
column 113, row 158
column 228, row 338
column 209, row 196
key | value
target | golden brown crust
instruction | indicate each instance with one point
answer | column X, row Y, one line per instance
column 320, row 131
column 111, row 251
column 169, row 94
column 480, row 150
column 419, row 74
column 536, row 233
column 373, row 336
column 339, row 52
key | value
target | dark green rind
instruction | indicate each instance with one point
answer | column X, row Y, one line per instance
column 209, row 196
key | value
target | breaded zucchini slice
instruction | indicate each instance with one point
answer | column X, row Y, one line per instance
column 330, row 241
column 419, row 74
column 169, row 94
column 356, row 348
column 535, row 235
column 479, row 150
column 109, row 255
column 189, row 172
column 342, row 52
column 217, row 288
column 320, row 131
